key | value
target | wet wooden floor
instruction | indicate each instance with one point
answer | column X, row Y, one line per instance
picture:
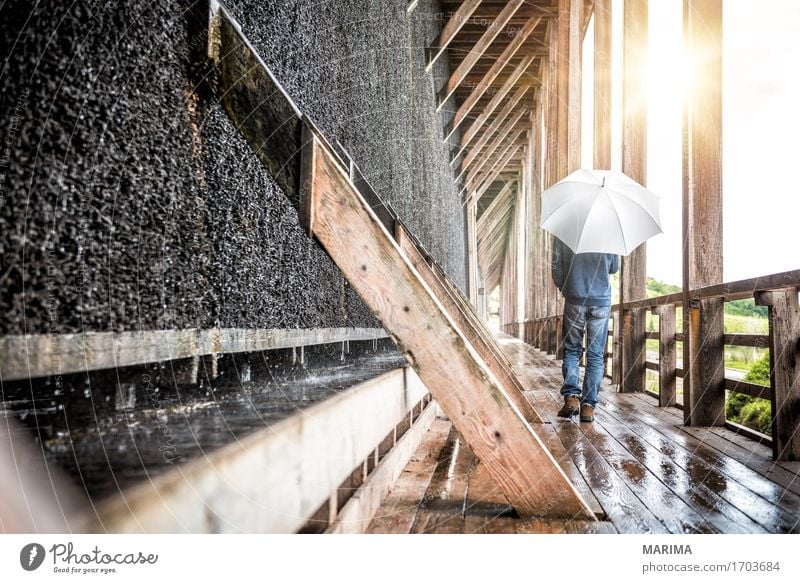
column 637, row 466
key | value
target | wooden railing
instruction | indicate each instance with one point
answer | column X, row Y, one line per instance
column 778, row 292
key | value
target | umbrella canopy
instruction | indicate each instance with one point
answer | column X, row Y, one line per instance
column 600, row 211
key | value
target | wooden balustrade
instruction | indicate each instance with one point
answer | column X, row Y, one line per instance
column 778, row 292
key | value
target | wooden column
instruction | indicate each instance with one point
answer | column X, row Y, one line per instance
column 602, row 84
column 472, row 252
column 574, row 95
column 666, row 355
column 704, row 384
column 784, row 378
column 634, row 164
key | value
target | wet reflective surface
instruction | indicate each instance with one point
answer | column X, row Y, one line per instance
column 637, row 466
column 111, row 432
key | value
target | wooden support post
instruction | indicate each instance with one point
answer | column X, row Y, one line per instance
column 602, row 84
column 704, row 385
column 634, row 164
column 667, row 355
column 574, row 95
column 616, row 350
column 466, row 389
column 784, row 334
column 472, row 252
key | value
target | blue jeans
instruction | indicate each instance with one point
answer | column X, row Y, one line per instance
column 595, row 320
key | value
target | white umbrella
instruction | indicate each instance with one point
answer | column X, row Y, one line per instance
column 600, row 211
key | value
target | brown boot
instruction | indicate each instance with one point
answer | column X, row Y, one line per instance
column 570, row 408
column 587, row 413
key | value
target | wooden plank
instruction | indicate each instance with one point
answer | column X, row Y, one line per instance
column 737, row 475
column 442, row 507
column 457, row 20
column 471, row 329
column 667, row 355
column 746, row 388
column 465, row 388
column 358, row 512
column 676, row 469
column 39, row 355
column 784, row 334
column 490, row 107
column 272, row 480
column 398, row 511
column 457, row 77
column 624, row 509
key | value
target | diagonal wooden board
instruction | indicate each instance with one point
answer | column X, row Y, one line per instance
column 468, row 389
column 468, row 323
column 465, row 387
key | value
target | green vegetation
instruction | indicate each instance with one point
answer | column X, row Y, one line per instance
column 750, row 411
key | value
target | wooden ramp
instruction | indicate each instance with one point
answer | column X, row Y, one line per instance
column 638, row 467
column 440, row 337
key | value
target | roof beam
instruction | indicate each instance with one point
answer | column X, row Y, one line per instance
column 515, row 76
column 491, row 143
column 495, row 170
column 506, row 139
column 450, row 30
column 477, row 51
column 487, row 80
column 502, row 116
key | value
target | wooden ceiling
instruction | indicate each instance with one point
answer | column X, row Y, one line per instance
column 497, row 52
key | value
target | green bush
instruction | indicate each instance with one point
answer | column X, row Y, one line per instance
column 759, row 372
column 757, row 415
column 734, row 405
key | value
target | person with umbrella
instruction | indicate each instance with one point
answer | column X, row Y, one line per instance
column 596, row 216
column 584, row 281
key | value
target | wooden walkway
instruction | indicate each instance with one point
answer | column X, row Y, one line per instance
column 637, row 466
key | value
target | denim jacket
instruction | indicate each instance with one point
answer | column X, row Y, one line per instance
column 583, row 278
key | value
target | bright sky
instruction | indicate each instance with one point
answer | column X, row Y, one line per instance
column 761, row 93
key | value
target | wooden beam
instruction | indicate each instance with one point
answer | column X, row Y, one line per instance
column 466, row 389
column 704, row 388
column 602, row 84
column 477, row 176
column 784, row 336
column 499, row 166
column 458, row 19
column 487, row 111
column 41, row 355
column 504, row 114
column 468, row 323
column 498, row 65
column 634, row 164
column 477, row 51
column 491, row 147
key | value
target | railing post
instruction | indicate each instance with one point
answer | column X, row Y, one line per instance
column 616, row 350
column 560, row 338
column 634, row 345
column 667, row 357
column 784, row 332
